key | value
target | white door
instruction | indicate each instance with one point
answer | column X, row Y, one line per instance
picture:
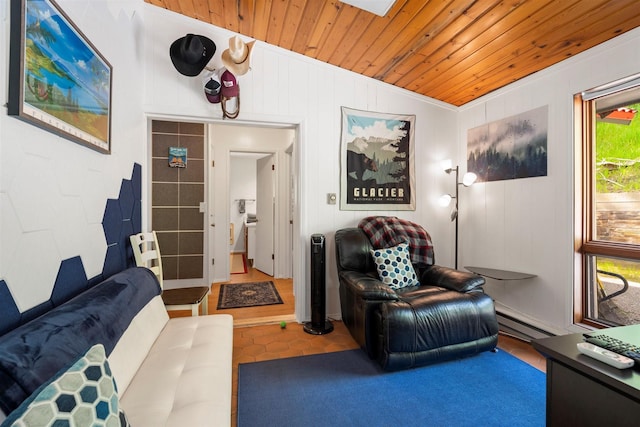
column 265, row 215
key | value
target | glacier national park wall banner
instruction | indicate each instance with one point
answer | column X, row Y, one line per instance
column 377, row 161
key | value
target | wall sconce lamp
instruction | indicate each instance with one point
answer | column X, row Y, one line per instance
column 445, row 200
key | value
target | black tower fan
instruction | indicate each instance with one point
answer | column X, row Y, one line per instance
column 318, row 325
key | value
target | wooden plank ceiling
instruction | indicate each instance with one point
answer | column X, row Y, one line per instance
column 451, row 50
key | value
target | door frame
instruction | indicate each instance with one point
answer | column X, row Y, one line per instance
column 299, row 179
column 221, row 146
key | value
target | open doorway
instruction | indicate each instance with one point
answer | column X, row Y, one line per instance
column 252, row 199
column 252, row 208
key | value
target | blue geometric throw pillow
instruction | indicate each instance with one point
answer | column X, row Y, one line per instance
column 394, row 266
column 83, row 395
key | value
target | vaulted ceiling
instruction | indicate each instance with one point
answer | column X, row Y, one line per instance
column 451, row 50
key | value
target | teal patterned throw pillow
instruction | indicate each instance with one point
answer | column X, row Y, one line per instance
column 394, row 266
column 83, row 395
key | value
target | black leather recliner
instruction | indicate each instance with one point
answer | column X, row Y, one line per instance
column 447, row 317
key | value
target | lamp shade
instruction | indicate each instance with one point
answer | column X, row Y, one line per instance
column 444, row 200
column 469, row 178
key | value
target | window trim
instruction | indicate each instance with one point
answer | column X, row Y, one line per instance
column 589, row 244
column 586, row 246
column 612, row 88
column 611, row 249
column 579, row 267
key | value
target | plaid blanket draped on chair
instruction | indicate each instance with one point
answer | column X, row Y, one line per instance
column 388, row 231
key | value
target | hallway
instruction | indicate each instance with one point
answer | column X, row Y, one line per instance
column 262, row 314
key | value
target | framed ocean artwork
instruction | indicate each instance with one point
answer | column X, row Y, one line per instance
column 57, row 79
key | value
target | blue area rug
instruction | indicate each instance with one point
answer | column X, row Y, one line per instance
column 348, row 389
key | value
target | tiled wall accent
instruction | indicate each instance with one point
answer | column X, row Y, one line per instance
column 176, row 197
column 122, row 217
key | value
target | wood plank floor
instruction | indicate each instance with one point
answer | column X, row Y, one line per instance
column 258, row 336
column 261, row 314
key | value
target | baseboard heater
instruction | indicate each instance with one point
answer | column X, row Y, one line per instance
column 525, row 331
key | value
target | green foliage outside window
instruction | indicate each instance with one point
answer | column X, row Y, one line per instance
column 618, row 171
column 618, row 156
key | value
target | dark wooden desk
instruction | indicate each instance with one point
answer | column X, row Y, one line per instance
column 582, row 391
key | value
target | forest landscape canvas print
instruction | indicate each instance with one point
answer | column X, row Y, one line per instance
column 511, row 148
column 58, row 80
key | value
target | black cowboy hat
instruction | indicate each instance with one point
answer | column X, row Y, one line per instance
column 191, row 53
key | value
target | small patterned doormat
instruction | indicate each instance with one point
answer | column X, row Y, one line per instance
column 253, row 294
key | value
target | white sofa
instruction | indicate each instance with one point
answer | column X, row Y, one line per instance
column 168, row 372
column 175, row 372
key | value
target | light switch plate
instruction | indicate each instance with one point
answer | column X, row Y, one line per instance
column 331, row 198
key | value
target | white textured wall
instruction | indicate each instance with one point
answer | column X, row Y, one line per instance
column 528, row 224
column 53, row 191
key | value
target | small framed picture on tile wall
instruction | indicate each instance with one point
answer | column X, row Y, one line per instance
column 177, row 157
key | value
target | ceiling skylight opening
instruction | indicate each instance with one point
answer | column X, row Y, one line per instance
column 379, row 7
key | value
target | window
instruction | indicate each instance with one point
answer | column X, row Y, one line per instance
column 609, row 248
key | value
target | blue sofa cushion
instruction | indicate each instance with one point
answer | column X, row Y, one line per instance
column 34, row 352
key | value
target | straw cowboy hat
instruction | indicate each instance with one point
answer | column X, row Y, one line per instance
column 236, row 58
column 191, row 53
